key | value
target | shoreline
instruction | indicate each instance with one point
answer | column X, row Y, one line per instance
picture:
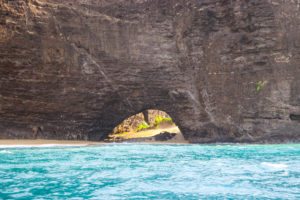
column 8, row 143
column 17, row 143
column 145, row 136
column 44, row 142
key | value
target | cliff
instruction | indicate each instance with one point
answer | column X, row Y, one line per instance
column 225, row 71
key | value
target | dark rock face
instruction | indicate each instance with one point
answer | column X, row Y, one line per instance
column 75, row 69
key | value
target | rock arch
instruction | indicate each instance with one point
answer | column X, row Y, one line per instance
column 78, row 67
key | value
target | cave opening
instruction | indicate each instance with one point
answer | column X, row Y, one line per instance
column 147, row 126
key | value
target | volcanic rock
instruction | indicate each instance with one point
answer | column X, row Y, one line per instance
column 225, row 71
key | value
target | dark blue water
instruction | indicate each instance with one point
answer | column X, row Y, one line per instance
column 143, row 171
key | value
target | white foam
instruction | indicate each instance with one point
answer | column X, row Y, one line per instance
column 285, row 173
column 274, row 165
column 4, row 151
column 59, row 145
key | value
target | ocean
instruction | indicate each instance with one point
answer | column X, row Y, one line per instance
column 150, row 171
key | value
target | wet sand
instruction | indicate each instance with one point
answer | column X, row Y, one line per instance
column 48, row 143
column 178, row 139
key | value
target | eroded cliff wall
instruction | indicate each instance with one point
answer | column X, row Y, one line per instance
column 75, row 69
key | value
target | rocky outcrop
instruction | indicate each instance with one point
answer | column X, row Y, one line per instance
column 76, row 69
column 161, row 137
column 164, row 136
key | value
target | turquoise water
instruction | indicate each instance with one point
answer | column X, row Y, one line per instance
column 144, row 171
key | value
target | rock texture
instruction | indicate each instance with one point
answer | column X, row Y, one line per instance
column 76, row 69
column 161, row 137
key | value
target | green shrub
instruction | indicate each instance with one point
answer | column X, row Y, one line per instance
column 159, row 120
column 260, row 84
column 143, row 126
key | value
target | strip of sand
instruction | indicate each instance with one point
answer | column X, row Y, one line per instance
column 146, row 133
column 47, row 143
column 145, row 137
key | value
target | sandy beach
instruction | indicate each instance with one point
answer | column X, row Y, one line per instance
column 25, row 142
column 148, row 133
column 178, row 139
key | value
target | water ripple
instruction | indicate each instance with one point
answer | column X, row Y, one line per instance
column 144, row 171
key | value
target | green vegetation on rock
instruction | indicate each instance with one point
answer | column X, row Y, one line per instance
column 158, row 121
column 260, row 85
column 143, row 126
